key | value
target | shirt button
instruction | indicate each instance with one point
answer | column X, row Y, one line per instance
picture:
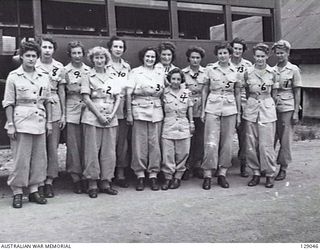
column 34, row 92
column 151, row 102
column 36, row 112
column 34, row 102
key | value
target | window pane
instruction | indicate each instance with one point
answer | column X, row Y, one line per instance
column 74, row 18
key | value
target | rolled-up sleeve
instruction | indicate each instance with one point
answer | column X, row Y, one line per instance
column 85, row 85
column 297, row 82
column 9, row 93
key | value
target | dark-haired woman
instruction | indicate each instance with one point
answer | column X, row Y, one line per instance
column 118, row 69
column 260, row 117
column 196, row 78
column 76, row 72
column 221, row 113
column 146, row 115
column 27, row 101
column 55, row 71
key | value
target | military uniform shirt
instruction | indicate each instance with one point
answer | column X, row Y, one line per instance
column 176, row 124
column 103, row 91
column 28, row 97
column 260, row 105
column 222, row 82
column 74, row 103
column 56, row 74
column 289, row 78
column 195, row 83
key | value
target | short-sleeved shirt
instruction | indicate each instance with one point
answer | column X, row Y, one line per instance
column 241, row 69
column 289, row 77
column 164, row 70
column 176, row 124
column 103, row 92
column 146, row 87
column 260, row 105
column 195, row 82
column 122, row 78
column 222, row 83
column 55, row 71
column 28, row 97
column 74, row 104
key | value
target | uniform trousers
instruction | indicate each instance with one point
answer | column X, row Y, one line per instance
column 197, row 145
column 242, row 141
column 122, row 147
column 218, row 140
column 99, row 152
column 74, row 150
column 284, row 133
column 146, row 153
column 52, row 149
column 29, row 162
column 174, row 156
column 261, row 155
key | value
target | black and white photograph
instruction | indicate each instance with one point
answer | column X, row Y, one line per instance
column 159, row 121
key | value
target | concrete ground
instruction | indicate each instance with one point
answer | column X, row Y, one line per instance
column 289, row 212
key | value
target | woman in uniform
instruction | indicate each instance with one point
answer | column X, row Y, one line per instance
column 260, row 117
column 178, row 126
column 167, row 54
column 119, row 70
column 196, row 78
column 239, row 47
column 287, row 103
column 27, row 103
column 220, row 113
column 55, row 71
column 146, row 115
column 76, row 72
column 101, row 94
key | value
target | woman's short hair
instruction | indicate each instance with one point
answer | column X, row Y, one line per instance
column 98, row 50
column 115, row 38
column 239, row 41
column 281, row 44
column 196, row 49
column 223, row 46
column 142, row 53
column 168, row 46
column 29, row 45
column 174, row 71
column 48, row 38
column 75, row 44
column 262, row 47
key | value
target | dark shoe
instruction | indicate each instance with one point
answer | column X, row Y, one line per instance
column 17, row 201
column 186, row 175
column 77, row 187
column 281, row 175
column 263, row 173
column 166, row 184
column 254, row 181
column 109, row 190
column 175, row 183
column 122, row 183
column 35, row 197
column 41, row 191
column 269, row 182
column 48, row 191
column 243, row 171
column 206, row 185
column 140, row 184
column 154, row 184
column 84, row 186
column 222, row 181
column 93, row 193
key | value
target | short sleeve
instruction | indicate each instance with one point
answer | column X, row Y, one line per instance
column 9, row 93
column 297, row 81
column 276, row 84
column 85, row 85
column 62, row 76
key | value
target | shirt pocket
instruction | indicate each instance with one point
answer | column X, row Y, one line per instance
column 25, row 93
column 269, row 103
column 231, row 99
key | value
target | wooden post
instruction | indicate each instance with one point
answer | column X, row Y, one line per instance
column 227, row 22
column 173, row 17
column 111, row 24
column 276, row 15
column 37, row 18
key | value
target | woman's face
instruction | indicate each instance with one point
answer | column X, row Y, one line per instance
column 237, row 50
column 149, row 58
column 76, row 55
column 47, row 49
column 260, row 58
column 175, row 80
column 99, row 60
column 195, row 59
column 223, row 55
column 117, row 48
column 166, row 57
column 282, row 55
column 29, row 58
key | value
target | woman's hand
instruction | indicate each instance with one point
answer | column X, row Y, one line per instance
column 295, row 118
column 130, row 119
column 11, row 131
column 62, row 122
column 192, row 128
column 238, row 121
column 203, row 116
column 103, row 120
column 49, row 128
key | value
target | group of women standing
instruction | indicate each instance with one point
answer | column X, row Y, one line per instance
column 182, row 120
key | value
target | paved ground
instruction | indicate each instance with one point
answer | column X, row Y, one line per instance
column 290, row 212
